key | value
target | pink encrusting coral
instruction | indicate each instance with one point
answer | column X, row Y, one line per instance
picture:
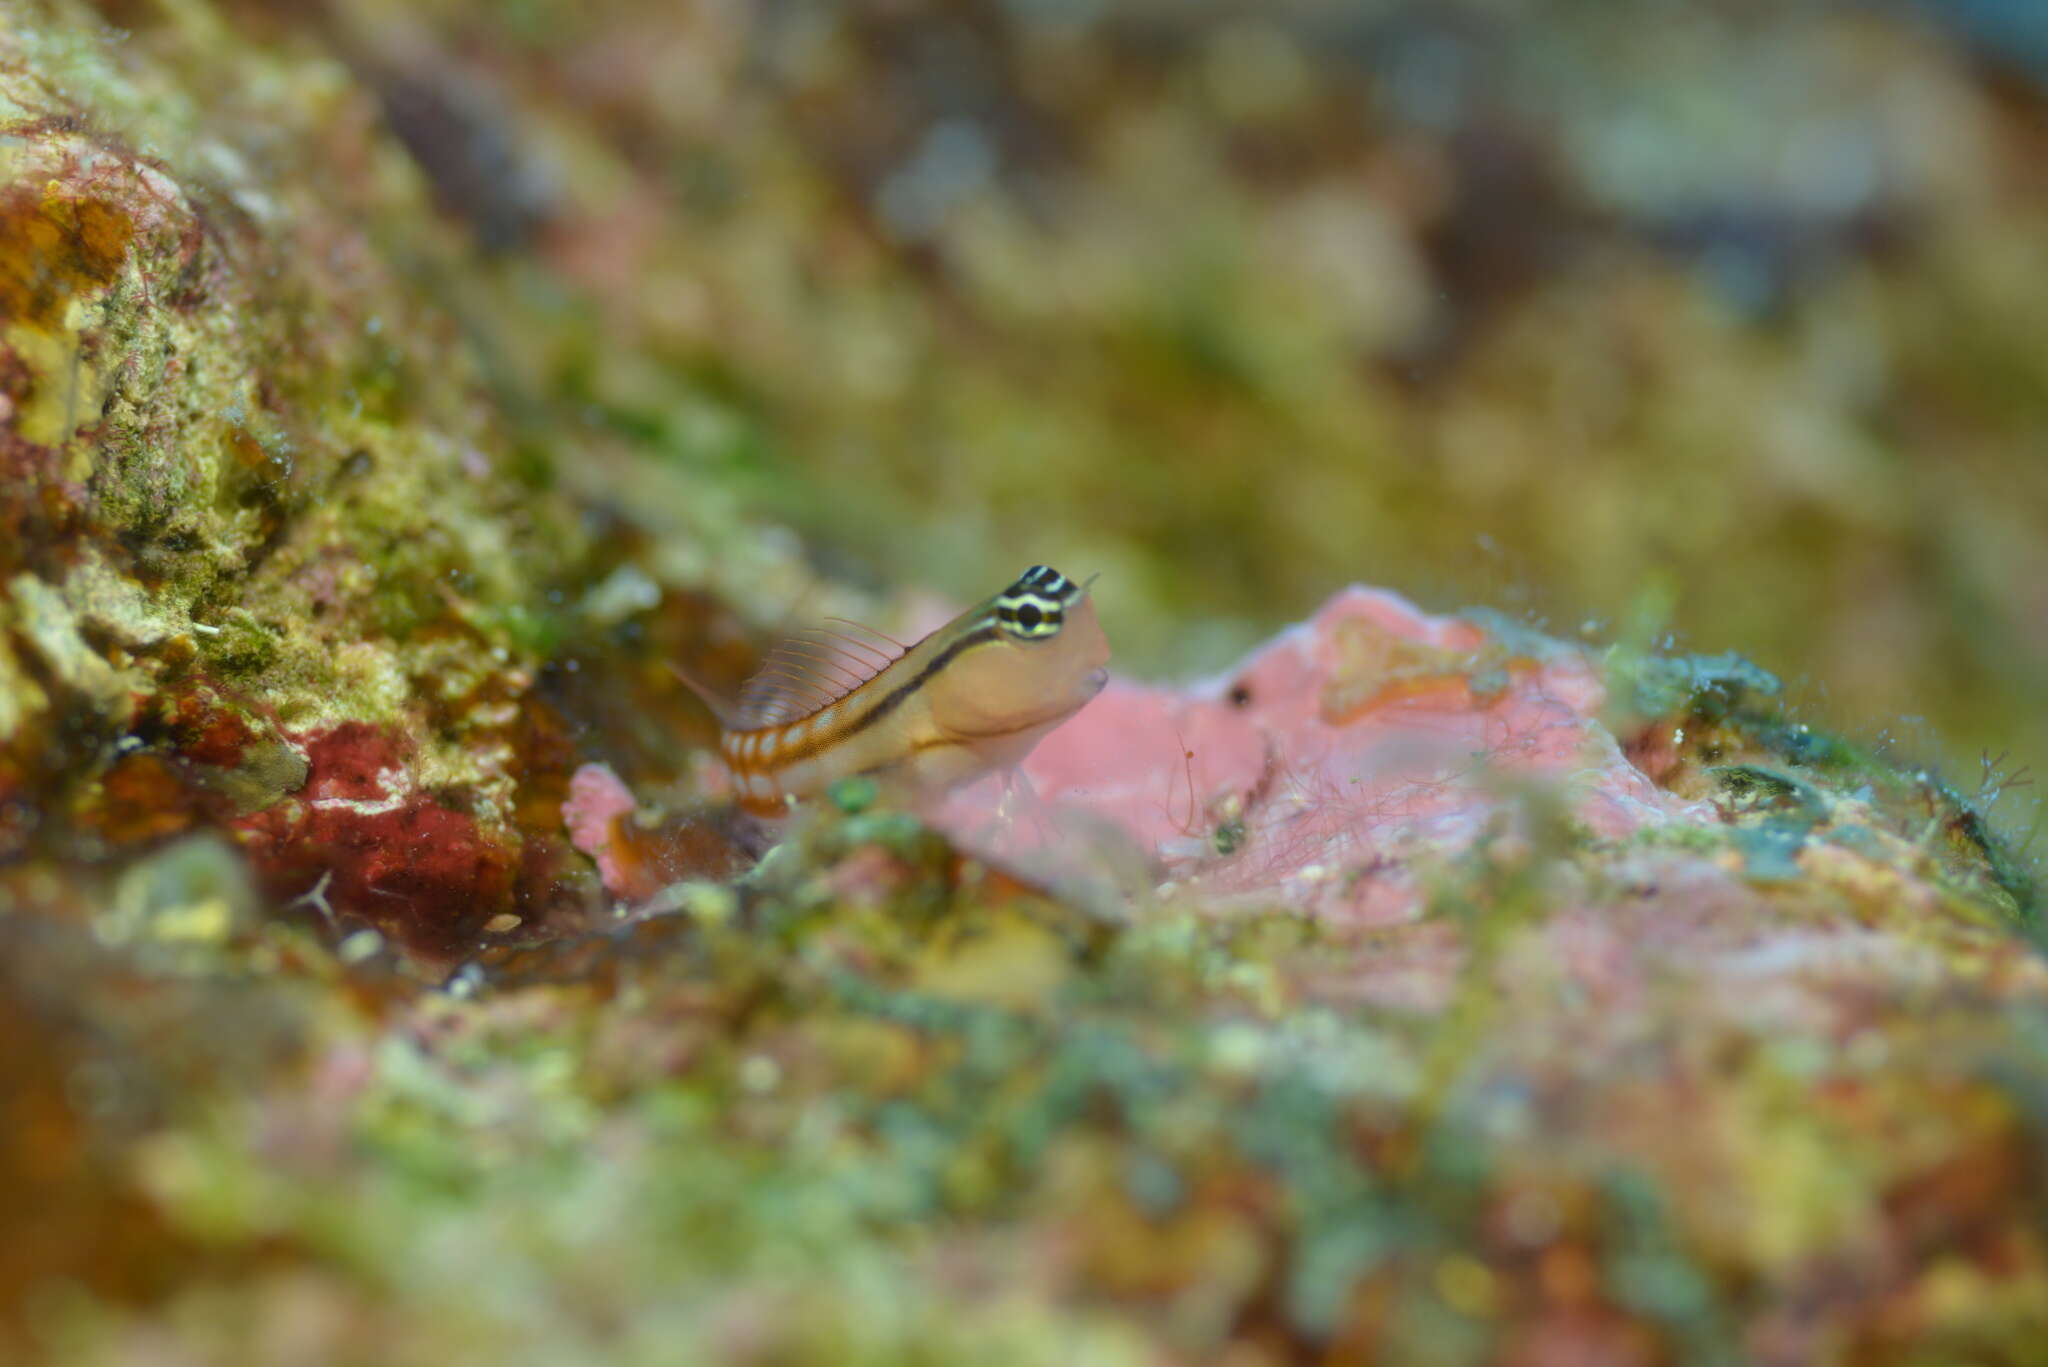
column 1333, row 763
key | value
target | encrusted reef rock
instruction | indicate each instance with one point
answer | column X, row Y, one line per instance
column 382, row 981
column 1422, row 978
column 268, row 558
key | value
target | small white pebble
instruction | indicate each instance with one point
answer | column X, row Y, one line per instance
column 364, row 944
column 760, row 1073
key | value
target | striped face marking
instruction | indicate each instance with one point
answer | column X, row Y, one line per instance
column 1034, row 608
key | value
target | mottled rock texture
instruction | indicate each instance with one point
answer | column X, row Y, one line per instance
column 389, row 394
column 264, row 537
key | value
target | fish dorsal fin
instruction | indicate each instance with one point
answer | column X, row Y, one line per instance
column 814, row 668
column 727, row 716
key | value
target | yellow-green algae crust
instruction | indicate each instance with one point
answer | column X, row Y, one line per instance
column 243, row 403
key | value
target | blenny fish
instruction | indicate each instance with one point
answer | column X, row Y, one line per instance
column 973, row 697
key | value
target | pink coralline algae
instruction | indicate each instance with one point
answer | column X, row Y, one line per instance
column 597, row 800
column 1327, row 773
column 1330, row 766
column 633, row 861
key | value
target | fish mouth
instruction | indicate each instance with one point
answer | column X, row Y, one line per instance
column 1095, row 682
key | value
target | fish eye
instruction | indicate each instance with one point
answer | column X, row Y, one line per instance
column 1029, row 615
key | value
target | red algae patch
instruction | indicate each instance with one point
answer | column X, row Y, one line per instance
column 362, row 838
column 1333, row 761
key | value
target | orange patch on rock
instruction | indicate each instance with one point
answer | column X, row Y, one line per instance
column 141, row 798
column 53, row 250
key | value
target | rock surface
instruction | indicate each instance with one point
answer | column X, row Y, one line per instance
column 1322, row 771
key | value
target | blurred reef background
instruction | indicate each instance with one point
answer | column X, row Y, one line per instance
column 390, row 392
